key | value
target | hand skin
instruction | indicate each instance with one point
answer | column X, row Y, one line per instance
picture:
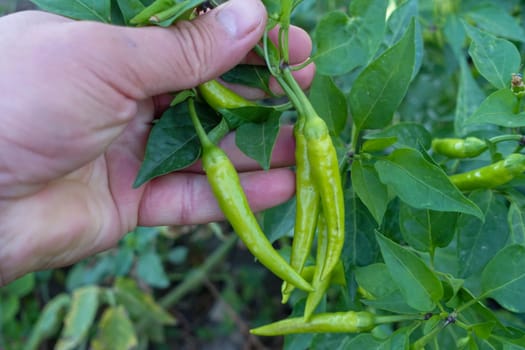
column 76, row 107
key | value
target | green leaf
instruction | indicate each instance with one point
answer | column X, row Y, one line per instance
column 494, row 19
column 479, row 240
column 504, row 278
column 517, row 224
column 249, row 75
column 173, row 143
column 468, row 99
column 94, row 10
column 495, row 59
column 329, row 102
column 253, row 114
column 417, row 282
column 151, row 270
column 360, row 247
column 455, row 34
column 379, row 290
column 500, row 108
column 408, row 134
column 115, row 331
column 382, row 85
column 129, row 9
column 375, row 280
column 80, row 317
column 372, row 192
column 139, row 304
column 49, row 321
column 257, row 140
column 344, row 43
column 279, row 220
column 426, row 230
column 421, row 184
column 397, row 24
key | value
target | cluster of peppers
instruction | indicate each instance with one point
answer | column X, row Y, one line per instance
column 320, row 209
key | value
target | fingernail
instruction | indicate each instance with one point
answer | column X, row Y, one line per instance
column 240, row 17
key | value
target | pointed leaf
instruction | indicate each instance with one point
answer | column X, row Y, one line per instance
column 496, row 20
column 173, row 143
column 426, row 230
column 479, row 240
column 249, row 75
column 496, row 59
column 499, row 109
column 80, row 318
column 257, row 140
column 151, row 270
column 372, row 192
column 417, row 282
column 469, row 97
column 344, row 43
column 94, row 10
column 360, row 248
column 408, row 134
column 140, row 304
column 49, row 321
column 422, row 184
column 115, row 331
column 382, row 85
column 516, row 221
column 504, row 278
column 329, row 102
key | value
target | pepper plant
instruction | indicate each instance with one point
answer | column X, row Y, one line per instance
column 407, row 230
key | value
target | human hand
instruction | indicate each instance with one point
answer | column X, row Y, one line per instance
column 76, row 108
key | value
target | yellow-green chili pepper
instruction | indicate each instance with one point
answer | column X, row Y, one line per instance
column 219, row 96
column 320, row 285
column 337, row 322
column 491, row 176
column 325, row 171
column 306, row 209
column 459, row 148
column 226, row 187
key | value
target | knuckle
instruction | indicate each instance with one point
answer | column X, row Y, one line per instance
column 194, row 48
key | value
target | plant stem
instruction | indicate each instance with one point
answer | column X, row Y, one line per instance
column 302, row 102
column 503, row 138
column 197, row 277
column 396, row 318
column 201, row 133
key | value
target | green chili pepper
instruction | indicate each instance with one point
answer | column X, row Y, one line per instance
column 226, row 187
column 219, row 96
column 491, row 176
column 459, row 148
column 337, row 322
column 307, row 208
column 320, row 285
column 325, row 171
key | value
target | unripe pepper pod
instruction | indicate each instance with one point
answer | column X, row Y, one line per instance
column 219, row 96
column 459, row 148
column 226, row 187
column 337, row 322
column 492, row 175
column 306, row 210
column 325, row 171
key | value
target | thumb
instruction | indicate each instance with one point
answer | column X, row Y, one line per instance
column 148, row 61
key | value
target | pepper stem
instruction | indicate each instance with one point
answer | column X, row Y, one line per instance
column 201, row 133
